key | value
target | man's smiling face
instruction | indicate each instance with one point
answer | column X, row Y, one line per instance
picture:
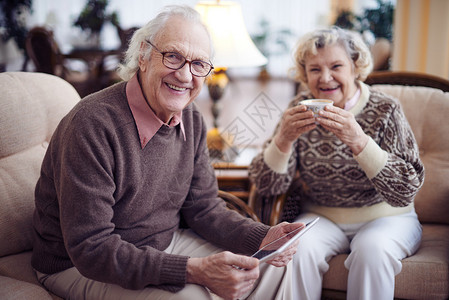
column 169, row 91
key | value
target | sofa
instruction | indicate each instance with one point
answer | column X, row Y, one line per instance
column 425, row 275
column 32, row 104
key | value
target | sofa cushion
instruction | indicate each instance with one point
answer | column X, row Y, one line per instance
column 425, row 275
column 31, row 106
column 427, row 272
column 427, row 110
column 18, row 173
column 11, row 289
column 18, row 266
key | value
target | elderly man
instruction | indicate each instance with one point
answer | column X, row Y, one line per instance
column 125, row 166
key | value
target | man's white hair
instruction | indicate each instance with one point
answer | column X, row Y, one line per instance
column 130, row 65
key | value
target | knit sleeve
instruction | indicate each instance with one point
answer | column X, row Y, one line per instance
column 271, row 171
column 403, row 172
column 267, row 180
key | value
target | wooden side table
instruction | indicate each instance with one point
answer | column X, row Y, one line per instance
column 232, row 175
column 233, row 180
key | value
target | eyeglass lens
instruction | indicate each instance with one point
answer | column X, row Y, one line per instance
column 176, row 61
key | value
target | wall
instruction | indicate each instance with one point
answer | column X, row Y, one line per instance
column 421, row 37
column 299, row 16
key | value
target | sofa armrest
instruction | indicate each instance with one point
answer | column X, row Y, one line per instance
column 11, row 289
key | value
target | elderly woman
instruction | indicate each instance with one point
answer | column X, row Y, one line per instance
column 358, row 165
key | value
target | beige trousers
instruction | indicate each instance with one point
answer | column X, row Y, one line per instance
column 273, row 283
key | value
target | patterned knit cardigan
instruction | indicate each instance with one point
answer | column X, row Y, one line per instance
column 329, row 173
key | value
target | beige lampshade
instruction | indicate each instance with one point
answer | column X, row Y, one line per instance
column 232, row 43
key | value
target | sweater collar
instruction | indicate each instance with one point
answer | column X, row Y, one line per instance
column 362, row 99
column 146, row 120
column 352, row 102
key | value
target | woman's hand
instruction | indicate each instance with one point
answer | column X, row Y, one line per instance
column 295, row 121
column 343, row 124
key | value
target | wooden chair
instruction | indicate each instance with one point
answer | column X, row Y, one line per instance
column 47, row 57
column 235, row 203
column 125, row 36
column 409, row 79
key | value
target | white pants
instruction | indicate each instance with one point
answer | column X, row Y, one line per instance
column 273, row 282
column 375, row 249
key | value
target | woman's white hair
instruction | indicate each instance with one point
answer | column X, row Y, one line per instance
column 130, row 65
column 352, row 42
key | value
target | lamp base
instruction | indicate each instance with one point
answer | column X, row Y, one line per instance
column 215, row 143
column 216, row 84
column 220, row 146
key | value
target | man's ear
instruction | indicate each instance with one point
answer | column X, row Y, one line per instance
column 142, row 54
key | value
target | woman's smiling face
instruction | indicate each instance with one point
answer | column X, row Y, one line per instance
column 330, row 75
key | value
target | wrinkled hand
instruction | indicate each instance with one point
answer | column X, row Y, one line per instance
column 343, row 124
column 295, row 121
column 220, row 274
column 276, row 232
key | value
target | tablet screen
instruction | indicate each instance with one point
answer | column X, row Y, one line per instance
column 277, row 246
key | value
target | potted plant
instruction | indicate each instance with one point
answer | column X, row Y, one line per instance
column 270, row 42
column 93, row 17
column 376, row 26
column 378, row 21
column 13, row 23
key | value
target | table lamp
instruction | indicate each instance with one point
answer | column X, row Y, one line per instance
column 233, row 48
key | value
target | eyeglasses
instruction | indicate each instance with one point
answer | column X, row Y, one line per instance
column 175, row 61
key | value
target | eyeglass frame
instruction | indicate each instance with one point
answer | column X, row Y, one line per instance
column 185, row 61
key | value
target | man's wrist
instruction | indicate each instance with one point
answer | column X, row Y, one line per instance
column 193, row 267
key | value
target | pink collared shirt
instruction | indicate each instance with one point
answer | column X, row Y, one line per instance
column 353, row 101
column 146, row 120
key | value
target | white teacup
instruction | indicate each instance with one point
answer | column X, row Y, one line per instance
column 315, row 105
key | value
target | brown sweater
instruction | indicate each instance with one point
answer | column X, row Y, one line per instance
column 390, row 172
column 109, row 207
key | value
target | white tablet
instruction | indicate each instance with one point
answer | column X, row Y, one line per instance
column 277, row 246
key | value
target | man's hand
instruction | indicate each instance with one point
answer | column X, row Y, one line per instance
column 228, row 275
column 276, row 232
